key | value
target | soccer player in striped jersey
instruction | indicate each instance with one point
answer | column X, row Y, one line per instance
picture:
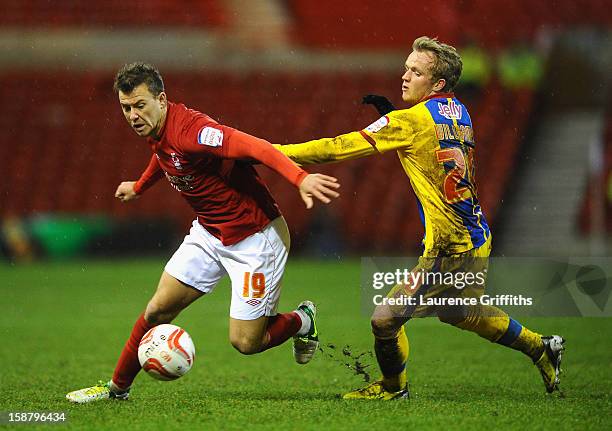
column 434, row 141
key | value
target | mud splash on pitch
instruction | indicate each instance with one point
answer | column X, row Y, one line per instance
column 357, row 362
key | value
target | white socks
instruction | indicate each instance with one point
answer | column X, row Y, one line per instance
column 306, row 322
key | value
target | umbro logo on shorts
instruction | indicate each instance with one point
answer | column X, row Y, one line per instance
column 253, row 302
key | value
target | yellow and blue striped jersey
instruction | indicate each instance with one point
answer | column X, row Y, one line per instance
column 435, row 143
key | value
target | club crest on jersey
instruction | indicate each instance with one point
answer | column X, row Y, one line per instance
column 176, row 161
column 378, row 124
column 210, row 136
column 450, row 111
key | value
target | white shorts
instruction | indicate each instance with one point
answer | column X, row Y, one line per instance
column 255, row 266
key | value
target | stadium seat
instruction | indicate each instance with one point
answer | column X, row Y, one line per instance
column 114, row 13
column 79, row 149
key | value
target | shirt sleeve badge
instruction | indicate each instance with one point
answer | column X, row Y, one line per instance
column 378, row 124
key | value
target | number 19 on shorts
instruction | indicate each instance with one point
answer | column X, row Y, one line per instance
column 254, row 285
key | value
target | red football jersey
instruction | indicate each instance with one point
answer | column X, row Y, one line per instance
column 200, row 158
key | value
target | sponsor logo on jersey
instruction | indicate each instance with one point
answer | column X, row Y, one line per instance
column 378, row 124
column 450, row 111
column 181, row 183
column 210, row 136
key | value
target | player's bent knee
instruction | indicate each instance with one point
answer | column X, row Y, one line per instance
column 451, row 316
column 450, row 320
column 156, row 314
column 385, row 326
column 246, row 345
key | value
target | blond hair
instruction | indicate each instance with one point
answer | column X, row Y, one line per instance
column 447, row 64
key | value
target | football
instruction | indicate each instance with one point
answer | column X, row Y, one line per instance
column 166, row 352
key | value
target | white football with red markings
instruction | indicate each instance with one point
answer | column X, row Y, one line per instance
column 166, row 352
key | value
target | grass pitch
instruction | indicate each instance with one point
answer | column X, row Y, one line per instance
column 63, row 326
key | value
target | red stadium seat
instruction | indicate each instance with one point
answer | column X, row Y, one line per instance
column 114, row 13
column 374, row 25
column 76, row 147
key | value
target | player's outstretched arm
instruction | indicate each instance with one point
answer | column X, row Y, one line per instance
column 322, row 187
column 125, row 191
column 393, row 131
column 344, row 147
column 329, row 150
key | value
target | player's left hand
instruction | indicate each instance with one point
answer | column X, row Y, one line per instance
column 381, row 103
column 319, row 186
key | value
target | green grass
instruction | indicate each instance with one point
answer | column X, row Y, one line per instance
column 64, row 324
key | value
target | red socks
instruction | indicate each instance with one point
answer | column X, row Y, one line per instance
column 280, row 328
column 128, row 365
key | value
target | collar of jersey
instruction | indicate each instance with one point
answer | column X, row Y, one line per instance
column 438, row 96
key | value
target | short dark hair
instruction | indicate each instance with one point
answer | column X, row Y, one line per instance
column 132, row 75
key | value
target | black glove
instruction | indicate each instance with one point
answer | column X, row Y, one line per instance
column 381, row 103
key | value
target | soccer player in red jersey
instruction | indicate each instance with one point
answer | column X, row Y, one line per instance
column 239, row 229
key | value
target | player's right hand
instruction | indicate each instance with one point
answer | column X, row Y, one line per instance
column 125, row 192
column 320, row 186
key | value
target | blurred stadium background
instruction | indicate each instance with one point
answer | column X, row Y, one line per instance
column 537, row 79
